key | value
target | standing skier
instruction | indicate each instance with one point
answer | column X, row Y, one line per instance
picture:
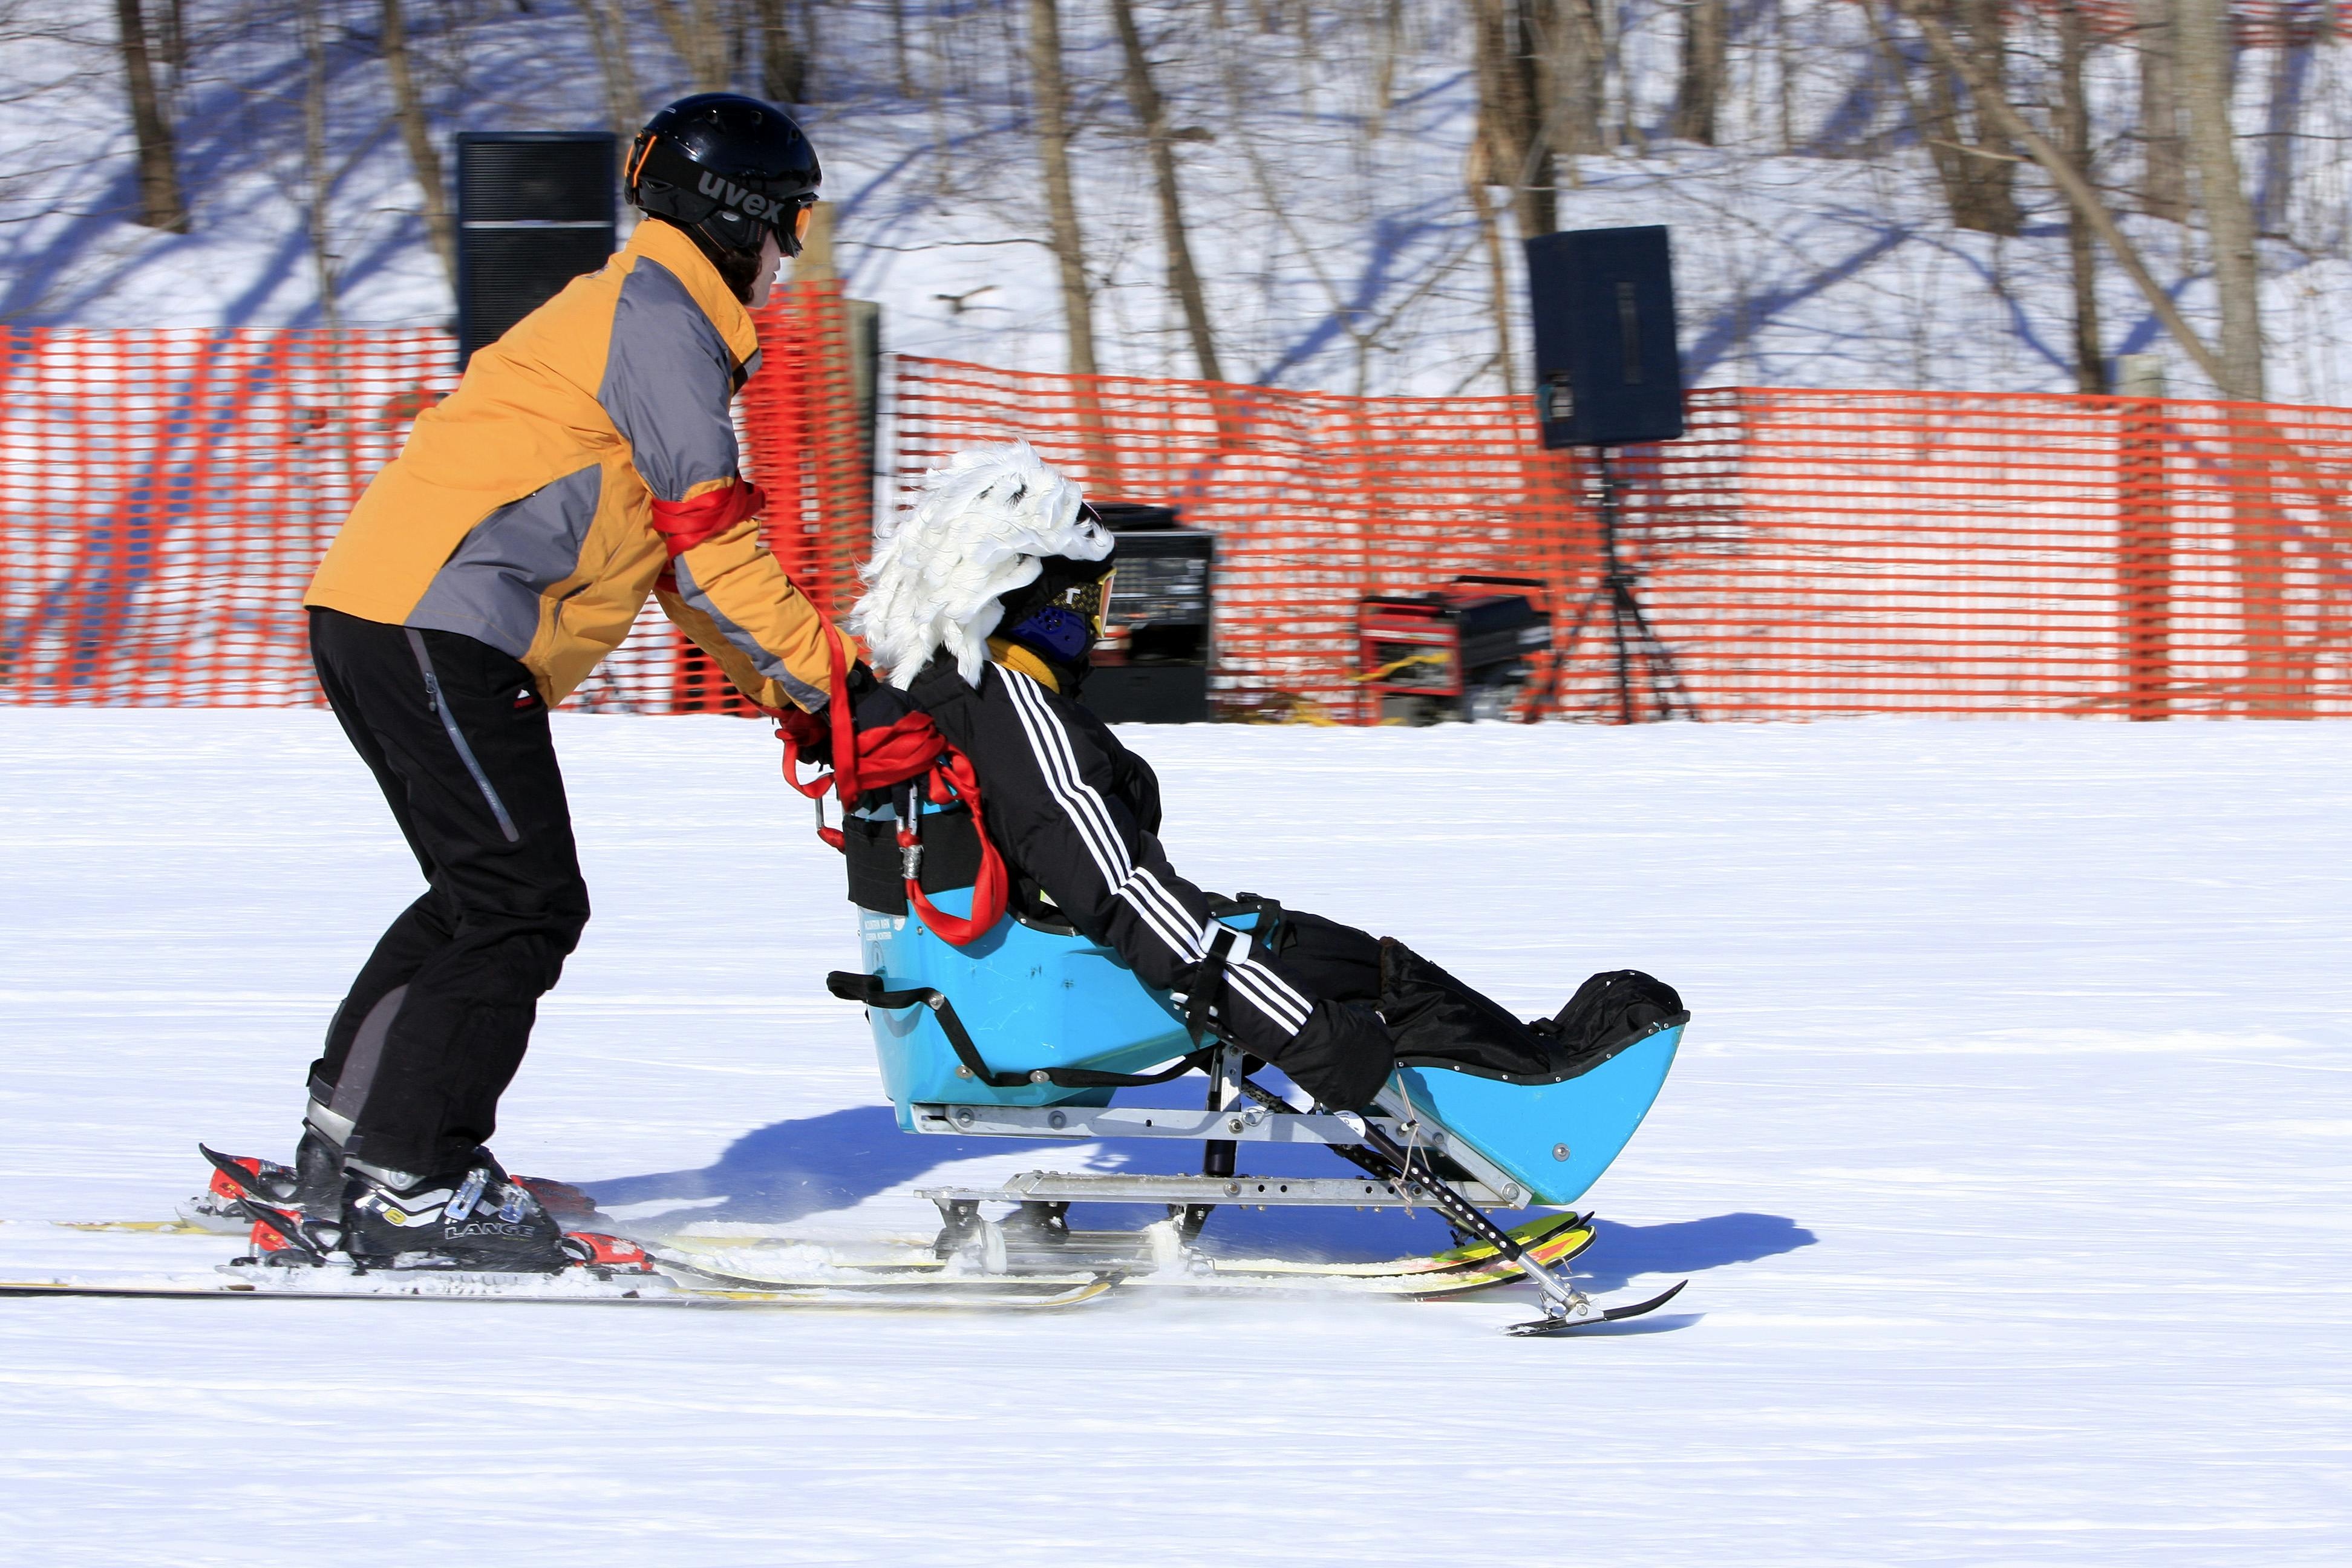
column 586, row 459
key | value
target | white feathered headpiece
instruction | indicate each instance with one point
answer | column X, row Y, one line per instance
column 976, row 533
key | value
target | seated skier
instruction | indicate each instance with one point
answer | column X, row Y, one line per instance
column 982, row 606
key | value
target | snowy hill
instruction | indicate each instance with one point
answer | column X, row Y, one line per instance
column 1339, row 244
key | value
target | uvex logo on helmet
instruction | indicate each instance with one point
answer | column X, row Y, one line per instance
column 751, row 204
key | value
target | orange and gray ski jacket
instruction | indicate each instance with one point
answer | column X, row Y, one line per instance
column 586, row 459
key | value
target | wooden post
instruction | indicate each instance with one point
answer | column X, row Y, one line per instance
column 2144, row 564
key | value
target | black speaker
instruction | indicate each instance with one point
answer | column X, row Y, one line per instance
column 1152, row 665
column 1607, row 370
column 535, row 210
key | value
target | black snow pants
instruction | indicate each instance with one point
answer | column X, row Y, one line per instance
column 437, row 1021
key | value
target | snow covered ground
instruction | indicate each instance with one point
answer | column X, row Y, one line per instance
column 2007, row 1157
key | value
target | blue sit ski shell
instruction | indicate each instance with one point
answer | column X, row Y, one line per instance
column 1033, row 998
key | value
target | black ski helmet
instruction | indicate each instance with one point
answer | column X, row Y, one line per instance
column 724, row 167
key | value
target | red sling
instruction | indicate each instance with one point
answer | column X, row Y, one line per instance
column 877, row 759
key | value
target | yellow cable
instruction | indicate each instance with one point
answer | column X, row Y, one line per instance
column 1395, row 665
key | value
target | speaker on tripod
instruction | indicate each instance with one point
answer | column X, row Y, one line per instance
column 535, row 210
column 1608, row 373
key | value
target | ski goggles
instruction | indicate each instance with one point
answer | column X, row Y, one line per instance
column 1090, row 601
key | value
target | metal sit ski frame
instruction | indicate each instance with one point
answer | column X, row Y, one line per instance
column 1406, row 1162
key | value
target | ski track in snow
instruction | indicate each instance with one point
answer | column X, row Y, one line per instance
column 2007, row 1156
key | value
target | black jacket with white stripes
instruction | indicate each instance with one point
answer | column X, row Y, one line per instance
column 1077, row 814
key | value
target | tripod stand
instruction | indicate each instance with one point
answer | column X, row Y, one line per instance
column 1635, row 639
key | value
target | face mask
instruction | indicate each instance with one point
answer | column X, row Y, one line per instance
column 1065, row 627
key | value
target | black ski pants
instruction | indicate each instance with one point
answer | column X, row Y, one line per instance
column 437, row 1021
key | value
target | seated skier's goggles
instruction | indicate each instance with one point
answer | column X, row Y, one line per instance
column 1090, row 601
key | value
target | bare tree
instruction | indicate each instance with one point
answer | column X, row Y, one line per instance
column 1575, row 59
column 1706, row 69
column 1498, row 277
column 1384, row 57
column 174, row 38
column 2164, row 155
column 900, row 70
column 2077, row 190
column 310, row 27
column 1971, row 155
column 1510, row 113
column 2074, row 141
column 2206, row 60
column 160, row 205
column 422, row 156
column 698, row 35
column 783, row 65
column 608, row 33
column 1151, row 110
column 1051, row 91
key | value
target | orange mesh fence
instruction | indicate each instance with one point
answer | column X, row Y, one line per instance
column 1799, row 553
column 1840, row 552
column 165, row 495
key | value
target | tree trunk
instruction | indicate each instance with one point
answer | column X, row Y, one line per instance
column 1973, row 157
column 161, row 205
column 310, row 31
column 2205, row 73
column 1509, row 118
column 1053, row 101
column 608, row 31
column 175, row 39
column 698, row 39
column 1988, row 171
column 1576, row 83
column 783, row 68
column 1784, row 76
column 1940, row 127
column 1707, row 71
column 1384, row 67
column 2272, row 688
column 1490, row 232
column 2074, row 141
column 901, row 71
column 1152, row 114
column 2164, row 174
column 421, row 157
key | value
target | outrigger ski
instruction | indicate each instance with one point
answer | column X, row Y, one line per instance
column 1587, row 1316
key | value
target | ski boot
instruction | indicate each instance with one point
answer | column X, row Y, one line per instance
column 475, row 1218
column 312, row 1185
column 288, row 1241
